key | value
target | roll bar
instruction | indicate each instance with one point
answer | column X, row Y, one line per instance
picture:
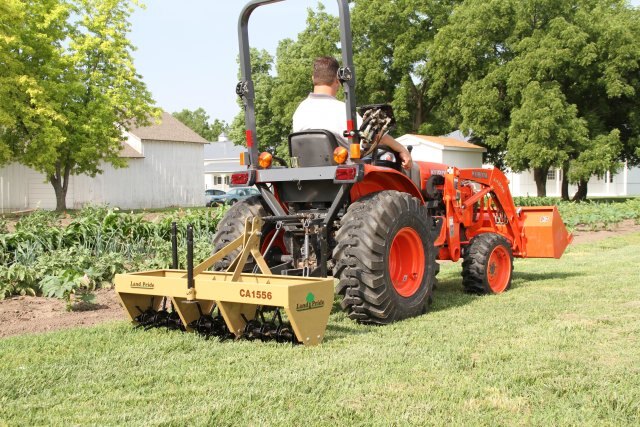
column 245, row 88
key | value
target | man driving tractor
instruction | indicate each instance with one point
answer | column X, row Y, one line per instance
column 322, row 110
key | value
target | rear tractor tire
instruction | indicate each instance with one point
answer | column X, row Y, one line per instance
column 488, row 265
column 385, row 258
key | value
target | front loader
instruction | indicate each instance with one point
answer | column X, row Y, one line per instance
column 353, row 214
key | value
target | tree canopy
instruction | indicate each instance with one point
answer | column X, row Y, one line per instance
column 540, row 83
column 70, row 88
column 199, row 121
column 543, row 83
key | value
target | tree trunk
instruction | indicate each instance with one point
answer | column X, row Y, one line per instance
column 540, row 176
column 565, row 181
column 60, row 186
column 581, row 194
column 417, row 117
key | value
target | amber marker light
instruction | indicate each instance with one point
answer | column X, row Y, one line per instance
column 264, row 160
column 355, row 151
column 340, row 155
column 243, row 161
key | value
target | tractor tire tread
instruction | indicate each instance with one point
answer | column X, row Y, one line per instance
column 360, row 259
column 475, row 260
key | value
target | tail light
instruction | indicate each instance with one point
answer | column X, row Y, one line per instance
column 243, row 179
column 264, row 160
column 340, row 155
column 348, row 174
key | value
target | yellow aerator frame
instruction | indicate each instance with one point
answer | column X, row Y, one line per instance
column 307, row 301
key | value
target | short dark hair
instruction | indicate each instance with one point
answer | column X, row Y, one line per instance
column 325, row 70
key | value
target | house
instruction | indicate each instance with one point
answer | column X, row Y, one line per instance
column 164, row 169
column 221, row 159
column 625, row 182
column 442, row 149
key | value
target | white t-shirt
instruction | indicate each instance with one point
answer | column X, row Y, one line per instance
column 320, row 111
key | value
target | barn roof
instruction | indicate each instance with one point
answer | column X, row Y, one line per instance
column 170, row 129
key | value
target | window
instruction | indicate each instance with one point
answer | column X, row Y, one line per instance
column 218, row 180
column 226, row 180
column 551, row 174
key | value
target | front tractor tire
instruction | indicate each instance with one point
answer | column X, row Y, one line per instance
column 385, row 258
column 488, row 265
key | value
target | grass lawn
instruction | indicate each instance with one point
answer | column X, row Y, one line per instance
column 562, row 347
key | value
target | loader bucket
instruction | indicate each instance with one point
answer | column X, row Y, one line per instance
column 248, row 305
column 545, row 233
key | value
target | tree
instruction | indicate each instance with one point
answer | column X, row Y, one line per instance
column 71, row 89
column 546, row 83
column 198, row 121
column 392, row 40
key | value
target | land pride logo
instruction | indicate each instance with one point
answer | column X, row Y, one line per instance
column 141, row 285
column 310, row 303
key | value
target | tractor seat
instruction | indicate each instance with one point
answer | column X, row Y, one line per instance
column 313, row 147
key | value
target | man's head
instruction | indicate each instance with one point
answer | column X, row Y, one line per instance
column 325, row 72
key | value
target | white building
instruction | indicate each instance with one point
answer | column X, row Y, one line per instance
column 447, row 150
column 624, row 183
column 221, row 159
column 164, row 169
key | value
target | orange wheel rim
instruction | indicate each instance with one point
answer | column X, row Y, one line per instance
column 277, row 244
column 406, row 262
column 499, row 269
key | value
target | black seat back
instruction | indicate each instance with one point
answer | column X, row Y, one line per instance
column 313, row 147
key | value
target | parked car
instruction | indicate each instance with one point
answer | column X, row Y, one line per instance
column 233, row 196
column 210, row 194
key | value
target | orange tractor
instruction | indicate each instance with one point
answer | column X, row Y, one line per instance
column 377, row 228
column 352, row 213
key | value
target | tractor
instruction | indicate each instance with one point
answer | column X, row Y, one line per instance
column 376, row 228
column 347, row 214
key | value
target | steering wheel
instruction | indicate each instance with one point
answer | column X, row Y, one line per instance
column 380, row 151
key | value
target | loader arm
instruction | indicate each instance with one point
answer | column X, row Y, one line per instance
column 479, row 201
column 497, row 184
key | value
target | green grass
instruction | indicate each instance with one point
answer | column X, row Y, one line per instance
column 561, row 348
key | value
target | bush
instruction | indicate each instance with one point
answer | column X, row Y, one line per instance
column 43, row 257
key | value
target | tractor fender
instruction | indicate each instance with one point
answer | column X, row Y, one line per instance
column 378, row 178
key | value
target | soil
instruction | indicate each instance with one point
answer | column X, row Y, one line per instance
column 585, row 235
column 26, row 315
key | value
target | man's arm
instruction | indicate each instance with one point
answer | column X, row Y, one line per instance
column 405, row 156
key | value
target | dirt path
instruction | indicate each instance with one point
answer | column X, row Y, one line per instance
column 25, row 315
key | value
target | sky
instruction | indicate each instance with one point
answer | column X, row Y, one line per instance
column 187, row 50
